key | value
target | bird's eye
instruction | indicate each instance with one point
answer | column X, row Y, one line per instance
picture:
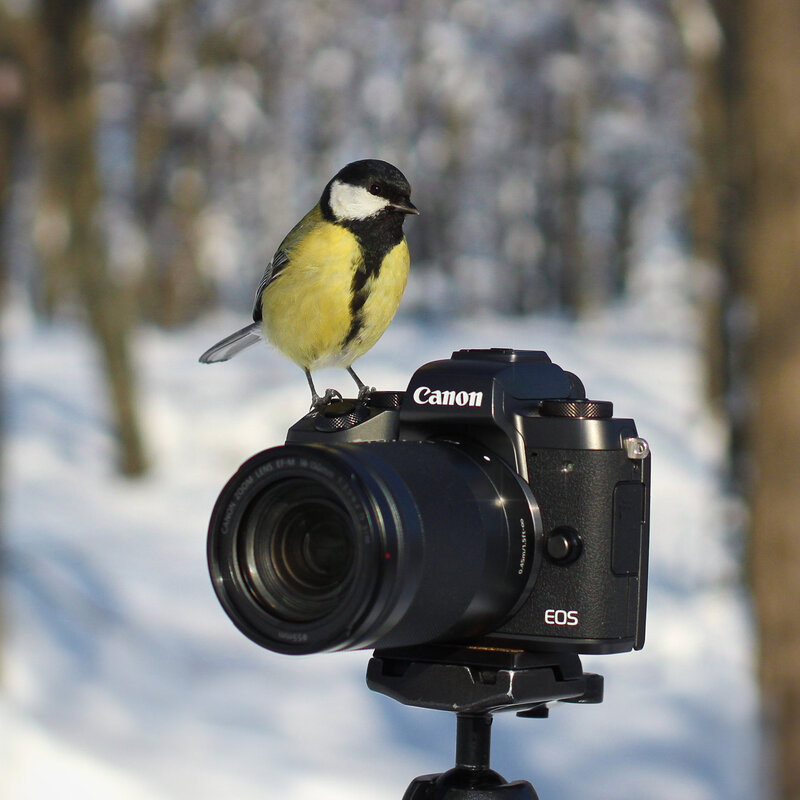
column 375, row 188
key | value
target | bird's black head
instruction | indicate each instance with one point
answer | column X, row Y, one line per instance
column 367, row 189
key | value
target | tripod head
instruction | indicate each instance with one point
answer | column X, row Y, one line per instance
column 474, row 684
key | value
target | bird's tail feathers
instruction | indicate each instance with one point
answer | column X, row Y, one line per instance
column 229, row 346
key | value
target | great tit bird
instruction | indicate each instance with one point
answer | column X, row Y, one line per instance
column 336, row 280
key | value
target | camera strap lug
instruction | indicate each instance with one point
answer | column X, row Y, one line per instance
column 636, row 448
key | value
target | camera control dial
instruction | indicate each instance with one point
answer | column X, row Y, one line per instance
column 577, row 409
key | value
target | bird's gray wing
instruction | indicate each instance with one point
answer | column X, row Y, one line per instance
column 229, row 346
column 279, row 261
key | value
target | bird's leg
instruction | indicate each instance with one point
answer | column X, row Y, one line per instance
column 318, row 402
column 314, row 395
column 364, row 391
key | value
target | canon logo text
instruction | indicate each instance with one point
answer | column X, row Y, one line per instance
column 446, row 397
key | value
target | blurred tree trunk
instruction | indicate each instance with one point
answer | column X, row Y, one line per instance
column 578, row 285
column 770, row 35
column 12, row 120
column 747, row 225
column 712, row 39
column 69, row 232
column 706, row 56
column 171, row 186
column 575, row 293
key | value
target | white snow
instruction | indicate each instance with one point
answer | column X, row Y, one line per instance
column 125, row 679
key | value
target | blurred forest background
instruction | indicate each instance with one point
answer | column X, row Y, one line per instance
column 154, row 152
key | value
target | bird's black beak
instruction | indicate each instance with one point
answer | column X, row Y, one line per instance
column 406, row 206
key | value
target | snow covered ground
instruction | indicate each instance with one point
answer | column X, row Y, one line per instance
column 124, row 679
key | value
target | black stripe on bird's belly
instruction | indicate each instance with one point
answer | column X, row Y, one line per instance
column 376, row 237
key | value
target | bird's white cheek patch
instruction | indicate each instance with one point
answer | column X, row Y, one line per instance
column 354, row 202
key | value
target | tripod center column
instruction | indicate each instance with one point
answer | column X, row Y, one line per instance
column 473, row 740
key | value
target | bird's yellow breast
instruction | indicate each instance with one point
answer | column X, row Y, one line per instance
column 307, row 310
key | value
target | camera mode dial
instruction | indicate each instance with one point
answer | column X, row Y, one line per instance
column 577, row 409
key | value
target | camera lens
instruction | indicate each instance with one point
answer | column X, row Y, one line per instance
column 316, row 547
column 296, row 550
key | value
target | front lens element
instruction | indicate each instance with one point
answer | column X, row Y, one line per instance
column 296, row 550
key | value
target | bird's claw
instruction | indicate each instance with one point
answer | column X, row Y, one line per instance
column 365, row 391
column 330, row 396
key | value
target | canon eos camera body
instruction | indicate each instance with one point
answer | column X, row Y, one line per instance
column 490, row 504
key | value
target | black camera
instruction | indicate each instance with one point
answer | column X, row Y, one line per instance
column 490, row 504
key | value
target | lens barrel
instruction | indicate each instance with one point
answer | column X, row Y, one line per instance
column 316, row 547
